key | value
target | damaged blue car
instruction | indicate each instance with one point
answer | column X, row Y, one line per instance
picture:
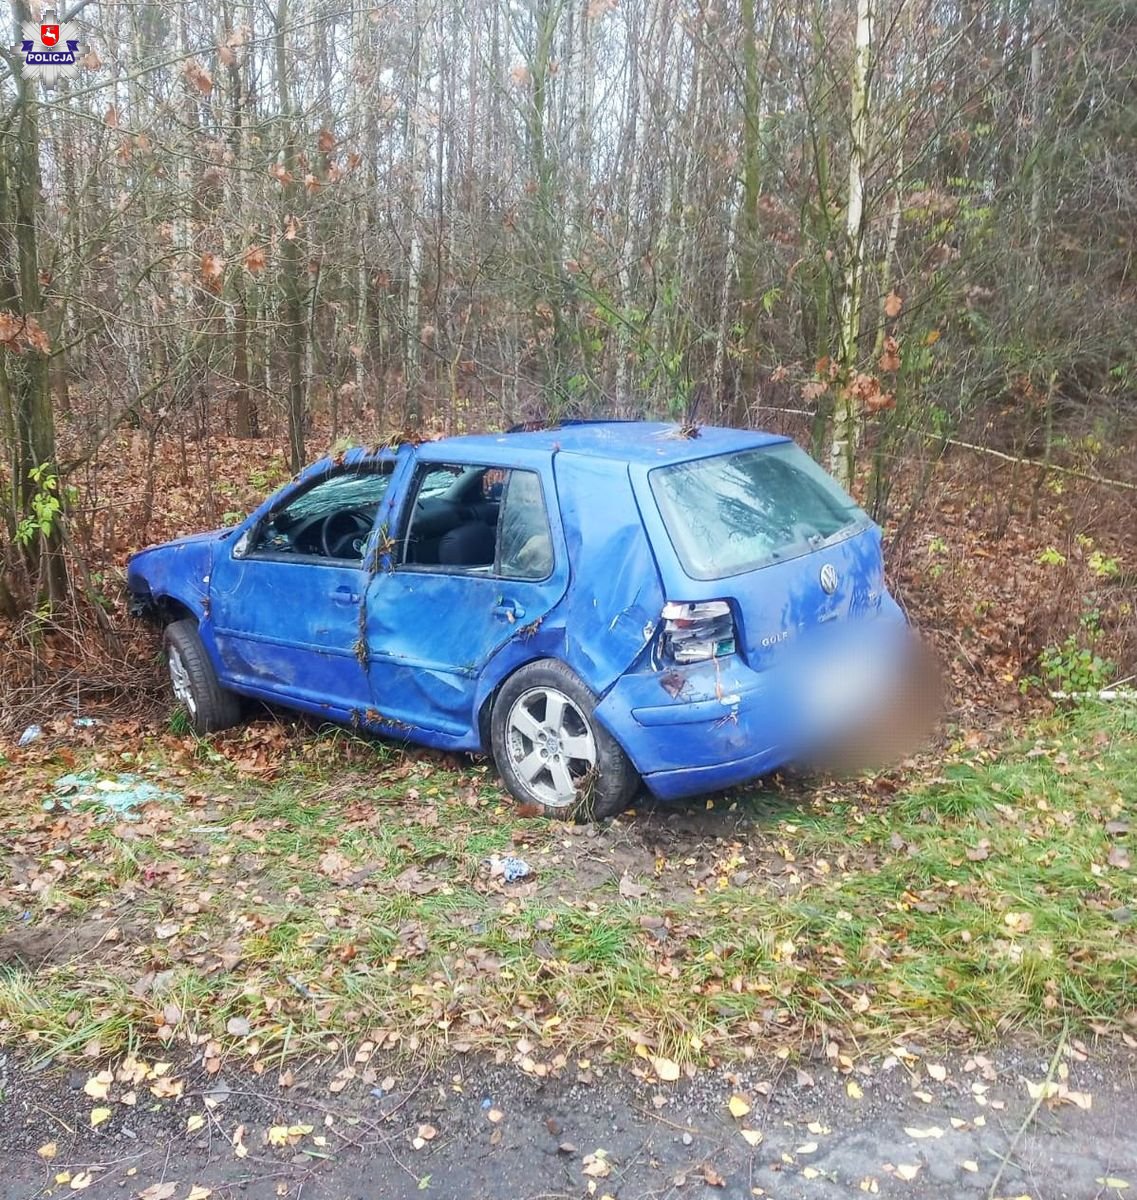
column 597, row 605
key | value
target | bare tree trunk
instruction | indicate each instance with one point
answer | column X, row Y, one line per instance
column 1036, row 181
column 245, row 423
column 295, row 329
column 35, row 424
column 735, row 214
column 846, row 417
column 416, row 144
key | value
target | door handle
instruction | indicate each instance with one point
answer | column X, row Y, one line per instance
column 508, row 610
column 344, row 595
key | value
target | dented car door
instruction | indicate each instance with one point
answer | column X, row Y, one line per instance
column 285, row 597
column 478, row 559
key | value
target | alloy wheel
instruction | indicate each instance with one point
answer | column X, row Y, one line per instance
column 551, row 745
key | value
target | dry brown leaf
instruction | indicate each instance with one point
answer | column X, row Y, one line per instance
column 932, row 1131
column 630, row 890
column 98, row 1086
column 890, row 358
column 666, row 1068
column 198, row 76
column 1018, row 922
column 596, row 1165
column 159, row 1191
column 255, row 259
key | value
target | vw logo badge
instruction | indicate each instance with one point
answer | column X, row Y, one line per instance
column 829, row 579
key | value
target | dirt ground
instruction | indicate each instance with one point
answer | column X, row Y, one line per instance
column 906, row 1126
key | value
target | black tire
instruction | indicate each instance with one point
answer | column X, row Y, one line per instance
column 581, row 772
column 208, row 705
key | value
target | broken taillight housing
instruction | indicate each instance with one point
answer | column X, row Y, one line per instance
column 697, row 631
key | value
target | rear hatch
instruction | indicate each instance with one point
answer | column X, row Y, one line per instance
column 767, row 531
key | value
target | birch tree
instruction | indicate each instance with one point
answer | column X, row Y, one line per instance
column 846, row 416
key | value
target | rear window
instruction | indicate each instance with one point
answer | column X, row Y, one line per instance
column 740, row 511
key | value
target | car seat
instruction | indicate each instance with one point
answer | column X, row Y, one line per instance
column 469, row 545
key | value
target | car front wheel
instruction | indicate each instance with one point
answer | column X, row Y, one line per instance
column 551, row 751
column 208, row 705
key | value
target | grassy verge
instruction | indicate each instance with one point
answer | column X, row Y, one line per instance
column 344, row 901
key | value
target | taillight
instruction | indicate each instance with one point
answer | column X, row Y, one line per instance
column 697, row 632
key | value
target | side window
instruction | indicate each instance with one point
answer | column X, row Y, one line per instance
column 479, row 520
column 525, row 539
column 453, row 521
column 331, row 519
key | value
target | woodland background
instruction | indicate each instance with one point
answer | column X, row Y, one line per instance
column 902, row 230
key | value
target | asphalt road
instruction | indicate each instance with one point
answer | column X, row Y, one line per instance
column 483, row 1131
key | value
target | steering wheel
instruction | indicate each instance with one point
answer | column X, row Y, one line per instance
column 343, row 533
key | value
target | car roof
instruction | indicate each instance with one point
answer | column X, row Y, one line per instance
column 647, row 442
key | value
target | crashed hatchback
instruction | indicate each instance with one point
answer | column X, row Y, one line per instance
column 597, row 605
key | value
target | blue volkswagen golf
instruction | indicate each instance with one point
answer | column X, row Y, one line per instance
column 597, row 605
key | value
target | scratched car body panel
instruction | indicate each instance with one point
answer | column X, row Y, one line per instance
column 700, row 592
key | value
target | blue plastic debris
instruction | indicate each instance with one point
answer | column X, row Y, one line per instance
column 120, row 797
column 487, row 1103
column 513, row 869
column 29, row 735
column 86, row 722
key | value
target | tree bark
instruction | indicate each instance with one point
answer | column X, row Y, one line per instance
column 846, row 417
column 294, row 325
column 31, row 399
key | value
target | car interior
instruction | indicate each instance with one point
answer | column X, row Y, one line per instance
column 454, row 522
column 331, row 519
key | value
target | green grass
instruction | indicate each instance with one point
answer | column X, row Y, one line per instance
column 980, row 901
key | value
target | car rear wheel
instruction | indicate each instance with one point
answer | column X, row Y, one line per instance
column 208, row 705
column 550, row 749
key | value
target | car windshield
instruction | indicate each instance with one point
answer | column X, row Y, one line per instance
column 737, row 512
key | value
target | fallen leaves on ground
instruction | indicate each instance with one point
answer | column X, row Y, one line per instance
column 596, row 1165
column 159, row 1191
column 425, row 1134
column 666, row 1068
column 287, row 1135
column 1054, row 1092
